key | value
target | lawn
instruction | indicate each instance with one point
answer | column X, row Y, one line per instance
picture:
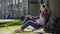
column 14, row 23
column 9, row 27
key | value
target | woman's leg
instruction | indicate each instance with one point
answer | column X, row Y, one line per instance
column 27, row 23
column 32, row 23
column 27, row 18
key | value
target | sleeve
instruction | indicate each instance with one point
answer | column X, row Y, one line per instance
column 35, row 17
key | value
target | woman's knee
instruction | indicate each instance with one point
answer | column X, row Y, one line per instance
column 28, row 16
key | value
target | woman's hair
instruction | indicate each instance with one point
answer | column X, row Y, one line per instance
column 44, row 6
column 46, row 10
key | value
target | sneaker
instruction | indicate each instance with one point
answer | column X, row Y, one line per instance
column 40, row 30
column 18, row 30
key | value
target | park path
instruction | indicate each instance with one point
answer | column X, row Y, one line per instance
column 7, row 20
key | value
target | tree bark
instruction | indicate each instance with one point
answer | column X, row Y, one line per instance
column 55, row 7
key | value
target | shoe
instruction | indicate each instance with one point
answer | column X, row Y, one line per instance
column 18, row 30
column 40, row 30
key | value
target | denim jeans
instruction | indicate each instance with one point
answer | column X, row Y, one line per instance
column 32, row 22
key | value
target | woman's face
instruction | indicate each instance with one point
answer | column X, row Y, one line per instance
column 42, row 8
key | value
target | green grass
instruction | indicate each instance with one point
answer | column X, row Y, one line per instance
column 11, row 23
column 10, row 29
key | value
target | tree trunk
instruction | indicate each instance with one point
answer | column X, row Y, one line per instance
column 55, row 7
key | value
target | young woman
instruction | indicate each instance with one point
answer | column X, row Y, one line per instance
column 43, row 17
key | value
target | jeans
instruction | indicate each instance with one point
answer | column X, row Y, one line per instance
column 32, row 22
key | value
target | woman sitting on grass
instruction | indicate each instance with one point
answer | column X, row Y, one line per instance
column 43, row 17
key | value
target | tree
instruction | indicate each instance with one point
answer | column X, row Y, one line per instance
column 55, row 7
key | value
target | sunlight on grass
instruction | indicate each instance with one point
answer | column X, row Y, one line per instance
column 11, row 23
column 10, row 29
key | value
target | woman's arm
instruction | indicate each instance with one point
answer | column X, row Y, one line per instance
column 35, row 17
column 30, row 16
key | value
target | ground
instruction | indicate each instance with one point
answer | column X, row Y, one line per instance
column 10, row 29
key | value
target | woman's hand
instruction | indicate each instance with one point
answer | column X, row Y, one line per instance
column 35, row 16
column 29, row 16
